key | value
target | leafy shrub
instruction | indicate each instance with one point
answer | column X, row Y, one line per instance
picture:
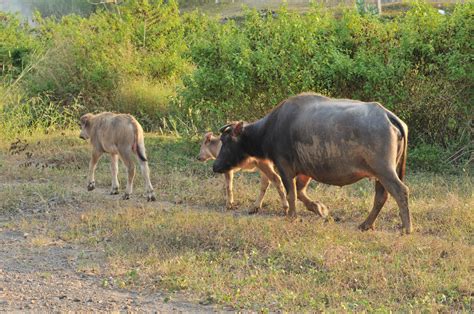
column 17, row 44
column 187, row 73
column 416, row 65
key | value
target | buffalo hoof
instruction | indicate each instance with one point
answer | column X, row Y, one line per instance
column 366, row 226
column 254, row 211
column 291, row 214
column 126, row 196
column 407, row 230
column 151, row 198
column 91, row 186
column 114, row 191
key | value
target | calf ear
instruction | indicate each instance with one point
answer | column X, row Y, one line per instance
column 207, row 137
column 237, row 129
column 85, row 119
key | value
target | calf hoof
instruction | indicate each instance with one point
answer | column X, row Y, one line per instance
column 291, row 214
column 230, row 206
column 91, row 186
column 254, row 211
column 320, row 209
column 366, row 226
column 114, row 191
column 151, row 198
column 126, row 196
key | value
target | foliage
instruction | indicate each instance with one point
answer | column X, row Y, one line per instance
column 17, row 45
column 416, row 65
column 189, row 72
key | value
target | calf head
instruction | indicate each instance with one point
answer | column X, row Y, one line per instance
column 232, row 152
column 210, row 147
column 85, row 123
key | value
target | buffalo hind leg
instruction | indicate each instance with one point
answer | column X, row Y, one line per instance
column 114, row 171
column 130, row 165
column 379, row 200
column 400, row 192
column 264, row 183
column 316, row 207
column 229, row 182
column 92, row 165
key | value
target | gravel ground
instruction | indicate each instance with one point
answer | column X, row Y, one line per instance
column 39, row 278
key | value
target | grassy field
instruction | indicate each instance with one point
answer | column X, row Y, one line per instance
column 187, row 242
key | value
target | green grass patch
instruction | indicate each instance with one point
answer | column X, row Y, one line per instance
column 187, row 241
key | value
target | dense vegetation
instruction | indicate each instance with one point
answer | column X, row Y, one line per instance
column 189, row 72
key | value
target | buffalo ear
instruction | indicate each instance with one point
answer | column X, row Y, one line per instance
column 237, row 129
column 207, row 137
column 224, row 128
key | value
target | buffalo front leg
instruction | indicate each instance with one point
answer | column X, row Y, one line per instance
column 229, row 182
column 289, row 181
column 379, row 200
column 264, row 183
column 150, row 195
column 114, row 171
column 315, row 207
column 268, row 170
column 92, row 166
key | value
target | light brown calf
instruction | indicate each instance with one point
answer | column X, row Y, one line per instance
column 119, row 135
column 210, row 148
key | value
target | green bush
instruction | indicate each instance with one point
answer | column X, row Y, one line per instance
column 189, row 72
column 416, row 65
column 17, row 44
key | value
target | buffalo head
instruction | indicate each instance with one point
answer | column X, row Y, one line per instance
column 232, row 152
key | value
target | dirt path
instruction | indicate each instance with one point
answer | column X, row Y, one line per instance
column 36, row 278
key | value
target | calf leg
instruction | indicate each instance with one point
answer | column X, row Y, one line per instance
column 92, row 165
column 129, row 164
column 114, row 170
column 316, row 207
column 146, row 174
column 264, row 183
column 229, row 178
column 290, row 185
column 400, row 192
column 379, row 200
column 268, row 171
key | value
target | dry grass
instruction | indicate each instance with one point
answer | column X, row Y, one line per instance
column 187, row 242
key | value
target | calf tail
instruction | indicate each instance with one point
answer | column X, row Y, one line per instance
column 401, row 165
column 141, row 152
column 138, row 142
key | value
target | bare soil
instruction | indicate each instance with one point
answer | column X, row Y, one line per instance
column 45, row 277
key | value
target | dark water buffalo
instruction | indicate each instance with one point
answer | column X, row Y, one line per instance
column 333, row 141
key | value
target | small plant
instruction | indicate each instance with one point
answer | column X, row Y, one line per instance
column 366, row 9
